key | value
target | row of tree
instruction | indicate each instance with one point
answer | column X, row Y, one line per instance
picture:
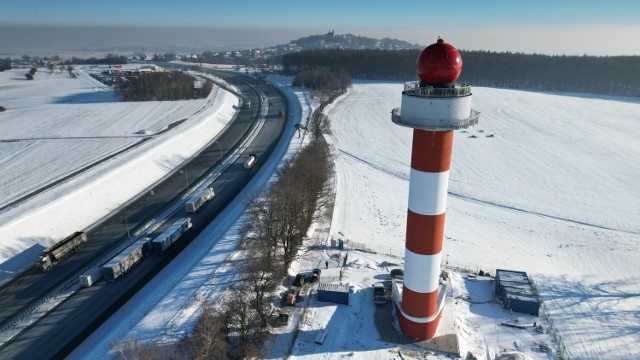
column 322, row 83
column 109, row 59
column 5, row 64
column 161, row 86
column 615, row 75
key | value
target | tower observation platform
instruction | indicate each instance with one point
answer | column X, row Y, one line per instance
column 434, row 108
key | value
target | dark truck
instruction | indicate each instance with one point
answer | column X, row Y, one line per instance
column 51, row 255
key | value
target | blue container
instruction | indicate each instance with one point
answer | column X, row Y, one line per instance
column 335, row 293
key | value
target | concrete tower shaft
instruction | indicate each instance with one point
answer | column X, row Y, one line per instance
column 430, row 160
column 433, row 110
column 422, row 295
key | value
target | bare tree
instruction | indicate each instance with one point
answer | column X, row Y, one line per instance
column 209, row 340
column 134, row 349
column 289, row 196
column 241, row 319
column 262, row 230
column 261, row 276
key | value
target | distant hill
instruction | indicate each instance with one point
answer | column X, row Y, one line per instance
column 274, row 54
column 331, row 40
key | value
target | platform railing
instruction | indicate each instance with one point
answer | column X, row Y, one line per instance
column 435, row 124
column 412, row 88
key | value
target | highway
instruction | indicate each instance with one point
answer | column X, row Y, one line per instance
column 57, row 333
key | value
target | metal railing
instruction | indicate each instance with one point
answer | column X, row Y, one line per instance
column 435, row 124
column 412, row 88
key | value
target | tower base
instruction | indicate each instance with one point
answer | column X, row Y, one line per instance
column 417, row 330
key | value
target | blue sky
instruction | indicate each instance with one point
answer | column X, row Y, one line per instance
column 553, row 27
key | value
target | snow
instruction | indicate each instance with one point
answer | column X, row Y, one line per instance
column 542, row 185
column 549, row 194
column 82, row 200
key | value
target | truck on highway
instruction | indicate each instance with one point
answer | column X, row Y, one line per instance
column 90, row 277
column 251, row 161
column 198, row 199
column 125, row 260
column 53, row 254
column 160, row 244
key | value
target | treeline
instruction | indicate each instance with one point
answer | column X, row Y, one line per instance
column 109, row 59
column 25, row 60
column 615, row 75
column 5, row 64
column 322, row 83
column 161, row 86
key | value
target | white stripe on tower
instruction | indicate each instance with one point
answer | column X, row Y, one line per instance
column 430, row 162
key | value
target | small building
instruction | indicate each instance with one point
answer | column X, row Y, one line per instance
column 335, row 293
column 516, row 292
column 522, row 303
column 510, row 278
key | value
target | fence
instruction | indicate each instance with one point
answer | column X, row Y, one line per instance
column 375, row 248
column 561, row 349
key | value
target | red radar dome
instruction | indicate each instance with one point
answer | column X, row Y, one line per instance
column 439, row 63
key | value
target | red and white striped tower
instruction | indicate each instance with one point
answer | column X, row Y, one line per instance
column 433, row 107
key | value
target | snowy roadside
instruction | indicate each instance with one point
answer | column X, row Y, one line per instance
column 166, row 308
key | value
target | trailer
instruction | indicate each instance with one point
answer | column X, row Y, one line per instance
column 125, row 260
column 90, row 277
column 53, row 254
column 198, row 199
column 160, row 244
column 251, row 161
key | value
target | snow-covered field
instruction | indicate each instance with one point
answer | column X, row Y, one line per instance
column 550, row 193
column 56, row 125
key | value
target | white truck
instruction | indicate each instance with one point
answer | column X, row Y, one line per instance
column 251, row 161
column 90, row 277
column 198, row 199
column 125, row 260
column 160, row 244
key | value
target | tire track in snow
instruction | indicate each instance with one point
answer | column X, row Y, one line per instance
column 485, row 202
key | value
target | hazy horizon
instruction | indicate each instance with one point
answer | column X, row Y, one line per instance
column 591, row 27
column 79, row 40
